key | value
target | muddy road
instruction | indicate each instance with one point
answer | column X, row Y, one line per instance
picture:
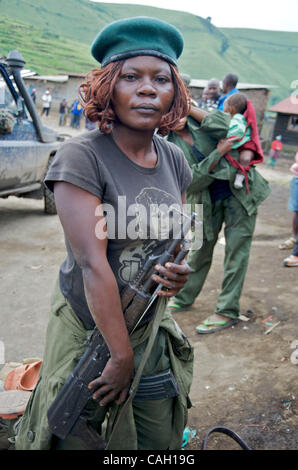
column 243, row 378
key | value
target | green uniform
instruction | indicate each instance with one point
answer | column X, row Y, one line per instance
column 237, row 212
column 151, row 425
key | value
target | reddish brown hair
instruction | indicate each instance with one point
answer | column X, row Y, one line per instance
column 97, row 91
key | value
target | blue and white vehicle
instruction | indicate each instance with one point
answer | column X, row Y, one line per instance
column 26, row 146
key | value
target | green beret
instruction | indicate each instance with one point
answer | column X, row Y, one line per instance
column 132, row 37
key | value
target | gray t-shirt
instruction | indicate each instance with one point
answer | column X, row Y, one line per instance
column 133, row 199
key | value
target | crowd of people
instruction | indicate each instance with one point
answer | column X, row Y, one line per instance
column 155, row 147
column 215, row 94
column 69, row 114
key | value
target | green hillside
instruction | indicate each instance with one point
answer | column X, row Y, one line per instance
column 55, row 36
column 44, row 52
column 277, row 49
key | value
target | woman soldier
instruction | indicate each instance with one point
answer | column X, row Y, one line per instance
column 122, row 165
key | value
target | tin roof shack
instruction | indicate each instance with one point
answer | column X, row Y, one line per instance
column 258, row 94
column 60, row 86
column 286, row 123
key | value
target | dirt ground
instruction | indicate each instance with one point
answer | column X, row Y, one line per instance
column 243, row 378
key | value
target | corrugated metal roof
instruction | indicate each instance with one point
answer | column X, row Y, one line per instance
column 76, row 74
column 196, row 83
column 55, row 78
column 26, row 73
column 286, row 106
column 50, row 78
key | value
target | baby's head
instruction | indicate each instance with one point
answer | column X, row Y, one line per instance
column 235, row 104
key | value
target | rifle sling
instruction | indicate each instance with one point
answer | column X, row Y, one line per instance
column 155, row 326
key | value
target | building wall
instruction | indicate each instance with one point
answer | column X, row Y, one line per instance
column 259, row 99
column 281, row 128
column 67, row 89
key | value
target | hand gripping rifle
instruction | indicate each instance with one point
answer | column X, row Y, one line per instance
column 67, row 414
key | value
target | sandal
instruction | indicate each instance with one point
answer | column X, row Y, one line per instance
column 178, row 308
column 291, row 260
column 288, row 244
column 206, row 326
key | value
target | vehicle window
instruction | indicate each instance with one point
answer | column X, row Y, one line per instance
column 7, row 101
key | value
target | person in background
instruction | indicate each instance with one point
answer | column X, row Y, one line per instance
column 186, row 80
column 202, row 137
column 229, row 84
column 33, row 94
column 276, row 148
column 292, row 260
column 46, row 103
column 204, row 99
column 62, row 112
column 76, row 114
column 213, row 88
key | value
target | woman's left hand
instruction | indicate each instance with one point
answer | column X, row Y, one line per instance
column 172, row 276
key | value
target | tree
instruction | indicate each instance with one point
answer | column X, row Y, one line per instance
column 224, row 46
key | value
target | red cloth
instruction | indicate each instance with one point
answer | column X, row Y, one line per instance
column 276, row 145
column 253, row 144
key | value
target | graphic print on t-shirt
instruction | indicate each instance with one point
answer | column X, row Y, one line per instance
column 133, row 257
column 152, row 222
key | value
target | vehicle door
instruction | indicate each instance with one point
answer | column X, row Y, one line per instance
column 18, row 139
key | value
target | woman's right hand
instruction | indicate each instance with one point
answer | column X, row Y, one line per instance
column 224, row 146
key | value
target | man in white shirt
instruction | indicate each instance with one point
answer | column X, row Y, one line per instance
column 46, row 103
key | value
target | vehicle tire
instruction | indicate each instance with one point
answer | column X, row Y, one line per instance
column 49, row 200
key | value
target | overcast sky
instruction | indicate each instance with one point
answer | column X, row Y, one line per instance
column 280, row 15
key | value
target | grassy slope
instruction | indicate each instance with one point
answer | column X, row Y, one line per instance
column 276, row 49
column 37, row 46
column 54, row 36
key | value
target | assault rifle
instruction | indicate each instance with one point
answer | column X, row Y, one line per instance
column 67, row 414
